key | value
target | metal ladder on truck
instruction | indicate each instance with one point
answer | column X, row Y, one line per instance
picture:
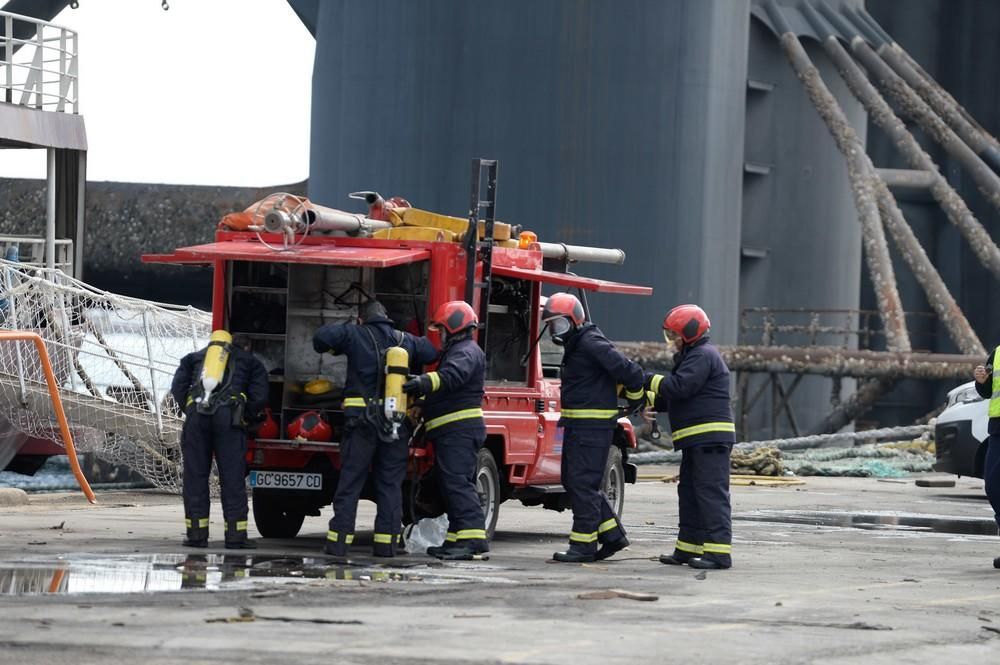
column 476, row 248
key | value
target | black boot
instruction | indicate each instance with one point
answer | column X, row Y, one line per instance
column 337, row 544
column 464, row 550
column 438, row 550
column 609, row 548
column 196, row 532
column 678, row 558
column 385, row 545
column 709, row 562
column 577, row 553
column 236, row 535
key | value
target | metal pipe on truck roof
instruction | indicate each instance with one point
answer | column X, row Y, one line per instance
column 563, row 252
column 329, row 219
column 320, row 218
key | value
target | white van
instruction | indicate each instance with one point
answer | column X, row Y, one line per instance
column 960, row 433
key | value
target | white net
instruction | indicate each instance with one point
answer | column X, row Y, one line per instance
column 113, row 357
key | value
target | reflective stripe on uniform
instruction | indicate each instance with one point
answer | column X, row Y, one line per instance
column 382, row 538
column 451, row 537
column 718, row 548
column 650, row 398
column 577, row 537
column 654, row 384
column 589, row 413
column 634, row 394
column 702, row 429
column 690, row 548
column 607, row 525
column 335, row 537
column 202, row 522
column 435, row 380
column 471, row 534
column 995, row 397
column 464, row 414
column 354, row 401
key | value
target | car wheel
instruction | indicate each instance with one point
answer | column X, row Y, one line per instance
column 488, row 487
column 273, row 519
column 613, row 485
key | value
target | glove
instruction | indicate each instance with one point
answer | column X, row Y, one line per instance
column 638, row 404
column 418, row 385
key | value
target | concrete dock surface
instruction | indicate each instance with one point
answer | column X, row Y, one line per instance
column 834, row 571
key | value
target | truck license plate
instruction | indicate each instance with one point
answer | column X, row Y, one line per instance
column 285, row 480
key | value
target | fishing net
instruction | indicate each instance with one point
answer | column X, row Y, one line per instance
column 113, row 358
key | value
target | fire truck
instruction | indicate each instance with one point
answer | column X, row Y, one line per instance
column 289, row 266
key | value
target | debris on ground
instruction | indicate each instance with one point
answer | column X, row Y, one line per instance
column 935, row 482
column 764, row 481
column 608, row 594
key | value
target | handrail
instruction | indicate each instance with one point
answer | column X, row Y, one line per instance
column 47, row 75
column 53, row 386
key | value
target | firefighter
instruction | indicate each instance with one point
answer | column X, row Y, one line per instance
column 696, row 396
column 988, row 387
column 364, row 343
column 592, row 368
column 453, row 423
column 221, row 387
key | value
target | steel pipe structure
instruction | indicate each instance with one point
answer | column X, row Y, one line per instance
column 916, row 108
column 860, row 171
column 943, row 104
column 820, row 360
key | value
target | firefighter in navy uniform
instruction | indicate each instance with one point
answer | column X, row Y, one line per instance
column 592, row 368
column 696, row 396
column 453, row 423
column 988, row 386
column 362, row 446
column 221, row 387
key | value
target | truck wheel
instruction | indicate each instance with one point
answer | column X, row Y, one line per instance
column 613, row 484
column 274, row 520
column 488, row 487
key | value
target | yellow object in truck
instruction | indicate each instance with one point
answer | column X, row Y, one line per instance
column 318, row 387
column 457, row 225
column 424, row 233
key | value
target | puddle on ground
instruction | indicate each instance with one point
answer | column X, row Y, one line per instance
column 179, row 572
column 878, row 521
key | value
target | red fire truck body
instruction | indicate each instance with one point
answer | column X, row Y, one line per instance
column 279, row 296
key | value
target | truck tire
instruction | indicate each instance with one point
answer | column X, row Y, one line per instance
column 488, row 487
column 273, row 519
column 613, row 484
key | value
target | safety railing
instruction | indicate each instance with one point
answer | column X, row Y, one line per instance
column 30, row 251
column 53, row 387
column 41, row 70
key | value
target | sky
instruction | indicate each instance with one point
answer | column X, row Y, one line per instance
column 189, row 95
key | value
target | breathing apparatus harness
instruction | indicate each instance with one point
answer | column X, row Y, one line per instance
column 386, row 411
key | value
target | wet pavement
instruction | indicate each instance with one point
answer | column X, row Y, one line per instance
column 82, row 573
column 838, row 571
column 913, row 523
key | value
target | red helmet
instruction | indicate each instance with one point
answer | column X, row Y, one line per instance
column 310, row 426
column 689, row 321
column 564, row 304
column 454, row 317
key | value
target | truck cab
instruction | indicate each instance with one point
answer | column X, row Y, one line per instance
column 278, row 295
